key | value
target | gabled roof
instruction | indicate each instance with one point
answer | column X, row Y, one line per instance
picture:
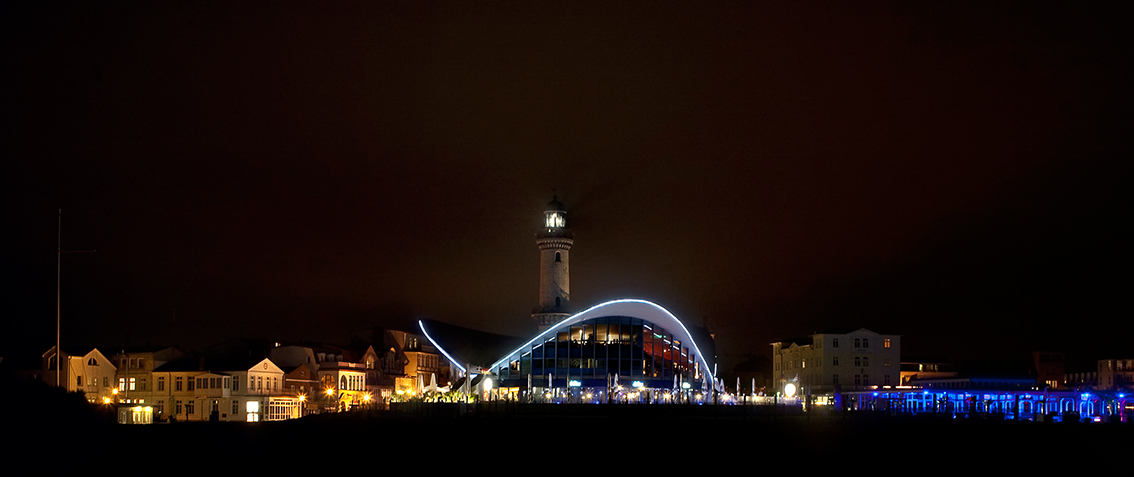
column 51, row 352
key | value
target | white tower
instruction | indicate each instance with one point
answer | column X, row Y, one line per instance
column 554, row 240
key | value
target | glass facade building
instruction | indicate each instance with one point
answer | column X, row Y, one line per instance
column 593, row 352
column 623, row 350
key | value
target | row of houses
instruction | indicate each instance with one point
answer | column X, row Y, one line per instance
column 249, row 380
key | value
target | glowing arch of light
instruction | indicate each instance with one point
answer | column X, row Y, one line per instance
column 439, row 348
column 631, row 307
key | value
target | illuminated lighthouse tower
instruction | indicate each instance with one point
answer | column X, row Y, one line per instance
column 554, row 240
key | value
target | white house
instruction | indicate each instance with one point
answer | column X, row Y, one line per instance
column 835, row 362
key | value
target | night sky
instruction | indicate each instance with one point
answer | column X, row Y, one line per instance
column 951, row 172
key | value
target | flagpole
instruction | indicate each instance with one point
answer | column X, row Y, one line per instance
column 58, row 273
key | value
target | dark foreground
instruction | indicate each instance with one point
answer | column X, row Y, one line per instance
column 436, row 437
column 605, row 434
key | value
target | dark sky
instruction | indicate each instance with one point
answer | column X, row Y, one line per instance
column 952, row 172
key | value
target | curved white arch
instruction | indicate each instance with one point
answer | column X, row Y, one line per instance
column 626, row 307
column 439, row 348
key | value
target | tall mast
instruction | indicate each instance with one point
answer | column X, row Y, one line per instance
column 58, row 270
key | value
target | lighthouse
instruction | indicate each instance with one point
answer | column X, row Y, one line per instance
column 554, row 240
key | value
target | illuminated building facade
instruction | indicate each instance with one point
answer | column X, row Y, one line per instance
column 90, row 373
column 135, row 379
column 386, row 366
column 1116, row 374
column 231, row 392
column 617, row 351
column 834, row 362
column 1048, row 367
column 915, row 371
column 1020, row 398
column 423, row 364
column 343, row 385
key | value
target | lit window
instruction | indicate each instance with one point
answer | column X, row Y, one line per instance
column 555, row 220
column 253, row 408
column 886, row 343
